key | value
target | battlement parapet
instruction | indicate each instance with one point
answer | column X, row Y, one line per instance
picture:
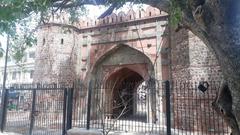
column 121, row 17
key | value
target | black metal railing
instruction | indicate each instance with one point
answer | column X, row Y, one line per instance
column 146, row 107
column 129, row 107
column 192, row 109
column 36, row 109
column 177, row 107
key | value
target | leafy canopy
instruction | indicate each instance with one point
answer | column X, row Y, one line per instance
column 20, row 18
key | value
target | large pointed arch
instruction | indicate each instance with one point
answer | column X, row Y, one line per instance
column 137, row 60
column 121, row 70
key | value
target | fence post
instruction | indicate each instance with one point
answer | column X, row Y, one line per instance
column 89, row 104
column 4, row 109
column 69, row 108
column 64, row 111
column 32, row 112
column 168, row 107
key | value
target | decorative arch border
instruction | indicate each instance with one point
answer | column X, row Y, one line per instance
column 93, row 69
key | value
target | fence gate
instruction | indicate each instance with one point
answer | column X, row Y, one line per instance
column 165, row 108
column 138, row 107
column 36, row 109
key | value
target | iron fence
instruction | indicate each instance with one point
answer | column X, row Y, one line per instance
column 35, row 109
column 143, row 107
column 192, row 109
column 179, row 107
column 1, row 88
column 128, row 107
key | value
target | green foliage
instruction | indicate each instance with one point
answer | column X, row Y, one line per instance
column 19, row 44
column 18, row 54
column 176, row 7
column 12, row 11
column 16, row 17
column 1, row 52
column 76, row 13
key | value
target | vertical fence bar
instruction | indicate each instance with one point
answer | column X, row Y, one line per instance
column 89, row 104
column 168, row 107
column 4, row 109
column 32, row 112
column 69, row 108
column 4, row 91
column 64, row 112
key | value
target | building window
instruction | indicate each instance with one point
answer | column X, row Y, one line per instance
column 25, row 58
column 18, row 75
column 31, row 74
column 14, row 75
column 121, row 19
column 32, row 55
column 44, row 41
column 61, row 41
column 149, row 45
column 9, row 59
column 150, row 13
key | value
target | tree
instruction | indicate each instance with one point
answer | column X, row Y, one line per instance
column 216, row 22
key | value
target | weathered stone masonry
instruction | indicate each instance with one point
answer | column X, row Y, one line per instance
column 70, row 54
column 191, row 59
column 137, row 41
column 191, row 62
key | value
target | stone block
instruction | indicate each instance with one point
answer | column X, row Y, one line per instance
column 81, row 131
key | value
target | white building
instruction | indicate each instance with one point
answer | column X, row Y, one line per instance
column 19, row 73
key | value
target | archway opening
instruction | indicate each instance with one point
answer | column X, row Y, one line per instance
column 123, row 69
column 124, row 94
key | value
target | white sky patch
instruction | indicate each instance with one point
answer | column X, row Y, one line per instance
column 96, row 11
column 3, row 41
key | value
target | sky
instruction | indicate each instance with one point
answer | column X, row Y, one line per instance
column 3, row 41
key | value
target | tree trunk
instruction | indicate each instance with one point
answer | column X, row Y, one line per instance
column 217, row 23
